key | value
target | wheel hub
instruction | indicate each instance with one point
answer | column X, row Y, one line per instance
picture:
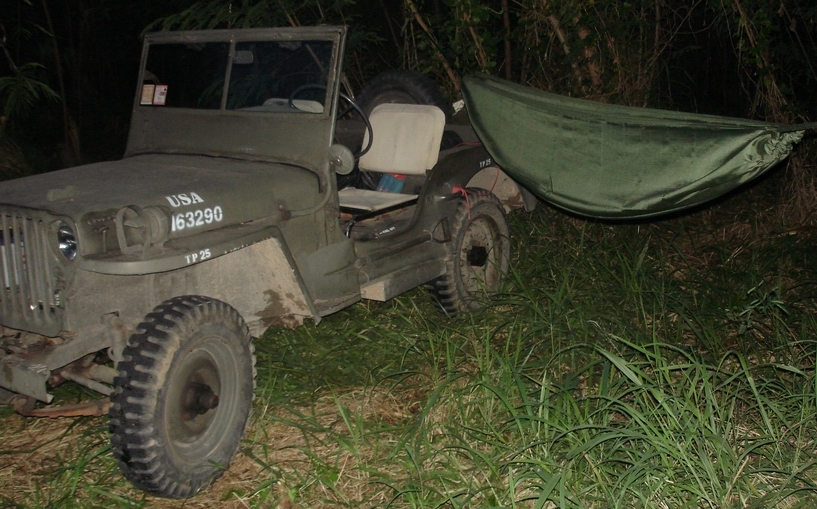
column 194, row 396
column 478, row 267
column 197, row 399
column 477, row 256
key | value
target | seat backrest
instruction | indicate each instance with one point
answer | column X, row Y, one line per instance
column 406, row 139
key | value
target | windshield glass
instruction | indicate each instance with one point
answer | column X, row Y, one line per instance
column 265, row 76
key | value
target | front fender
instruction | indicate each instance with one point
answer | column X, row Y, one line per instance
column 260, row 280
column 181, row 252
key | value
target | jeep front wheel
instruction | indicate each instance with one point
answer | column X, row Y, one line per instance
column 478, row 254
column 182, row 396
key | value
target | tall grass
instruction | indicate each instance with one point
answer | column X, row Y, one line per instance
column 656, row 365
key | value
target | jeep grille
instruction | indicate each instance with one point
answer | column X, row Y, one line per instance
column 28, row 298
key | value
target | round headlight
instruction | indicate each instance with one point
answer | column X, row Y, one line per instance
column 67, row 241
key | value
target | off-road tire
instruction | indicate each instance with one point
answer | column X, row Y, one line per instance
column 478, row 254
column 402, row 87
column 182, row 396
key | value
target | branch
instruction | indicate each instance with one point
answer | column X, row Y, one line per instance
column 420, row 21
column 482, row 57
column 506, row 23
column 13, row 67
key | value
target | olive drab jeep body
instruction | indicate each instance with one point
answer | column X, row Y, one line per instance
column 145, row 278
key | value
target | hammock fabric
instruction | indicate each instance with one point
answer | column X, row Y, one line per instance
column 609, row 161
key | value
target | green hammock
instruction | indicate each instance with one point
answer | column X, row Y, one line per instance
column 609, row 161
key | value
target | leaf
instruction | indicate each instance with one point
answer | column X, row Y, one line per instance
column 19, row 93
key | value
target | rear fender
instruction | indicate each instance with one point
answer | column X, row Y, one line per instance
column 512, row 195
column 474, row 167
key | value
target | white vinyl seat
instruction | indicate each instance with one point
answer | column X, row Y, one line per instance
column 406, row 141
column 365, row 200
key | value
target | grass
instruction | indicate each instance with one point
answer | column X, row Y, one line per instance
column 668, row 364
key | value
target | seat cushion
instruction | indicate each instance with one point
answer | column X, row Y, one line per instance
column 406, row 139
column 371, row 201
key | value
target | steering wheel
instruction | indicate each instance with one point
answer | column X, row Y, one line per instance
column 352, row 107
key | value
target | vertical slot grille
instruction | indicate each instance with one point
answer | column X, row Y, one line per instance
column 27, row 294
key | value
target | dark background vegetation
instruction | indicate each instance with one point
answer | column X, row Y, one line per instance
column 69, row 67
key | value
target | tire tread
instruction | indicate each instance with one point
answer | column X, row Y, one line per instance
column 140, row 455
column 445, row 289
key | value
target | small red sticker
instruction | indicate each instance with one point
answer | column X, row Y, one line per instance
column 160, row 95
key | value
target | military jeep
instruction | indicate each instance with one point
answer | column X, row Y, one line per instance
column 254, row 193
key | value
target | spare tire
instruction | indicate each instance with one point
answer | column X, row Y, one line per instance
column 402, row 87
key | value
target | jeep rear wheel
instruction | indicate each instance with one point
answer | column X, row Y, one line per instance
column 478, row 254
column 402, row 87
column 183, row 396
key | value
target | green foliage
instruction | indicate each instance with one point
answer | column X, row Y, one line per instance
column 625, row 51
column 589, row 384
column 775, row 45
column 20, row 92
column 603, row 48
column 210, row 14
column 612, row 50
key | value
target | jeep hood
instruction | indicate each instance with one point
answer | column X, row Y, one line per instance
column 244, row 190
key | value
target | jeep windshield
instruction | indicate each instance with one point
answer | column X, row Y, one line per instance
column 267, row 93
column 263, row 76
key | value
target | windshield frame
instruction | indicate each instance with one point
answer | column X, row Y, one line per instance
column 228, row 65
column 287, row 137
column 234, row 37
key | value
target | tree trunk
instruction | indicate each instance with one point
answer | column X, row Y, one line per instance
column 506, row 21
column 390, row 25
column 420, row 21
column 70, row 151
